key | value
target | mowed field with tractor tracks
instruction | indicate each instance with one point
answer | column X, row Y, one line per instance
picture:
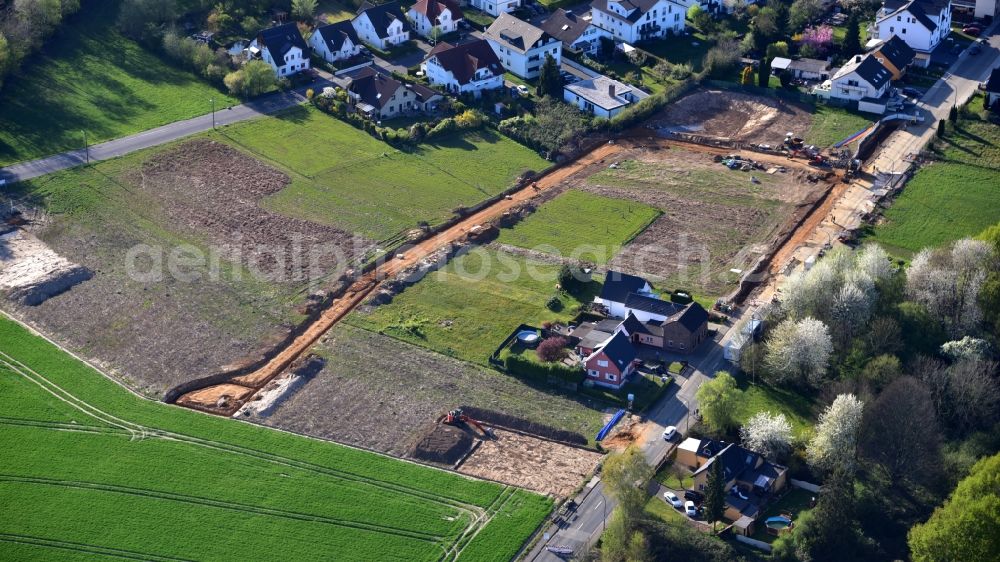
column 93, row 471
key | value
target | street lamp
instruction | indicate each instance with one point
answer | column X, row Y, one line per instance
column 687, row 417
column 213, row 113
column 86, row 146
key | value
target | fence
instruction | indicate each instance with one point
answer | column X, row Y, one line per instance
column 753, row 542
column 807, row 486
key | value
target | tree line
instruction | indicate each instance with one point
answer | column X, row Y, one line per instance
column 24, row 27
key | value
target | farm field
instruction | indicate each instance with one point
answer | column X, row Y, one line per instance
column 581, row 225
column 714, row 219
column 199, row 487
column 469, row 307
column 344, row 178
column 949, row 199
column 90, row 78
column 379, row 392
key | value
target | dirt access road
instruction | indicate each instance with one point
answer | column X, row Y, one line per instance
column 225, row 398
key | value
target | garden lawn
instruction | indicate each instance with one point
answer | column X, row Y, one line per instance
column 681, row 49
column 345, row 178
column 90, row 78
column 757, row 398
column 795, row 501
column 90, row 466
column 467, row 309
column 581, row 224
column 833, row 124
column 949, row 199
column 659, row 508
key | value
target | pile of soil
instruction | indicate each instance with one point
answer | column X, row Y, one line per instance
column 735, row 116
column 445, row 444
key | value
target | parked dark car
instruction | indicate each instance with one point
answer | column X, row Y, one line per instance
column 694, row 496
column 975, row 50
column 972, row 30
column 912, row 92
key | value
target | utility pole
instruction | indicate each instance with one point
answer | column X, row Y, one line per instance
column 213, row 113
column 86, row 146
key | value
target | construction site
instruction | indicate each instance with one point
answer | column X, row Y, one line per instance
column 743, row 202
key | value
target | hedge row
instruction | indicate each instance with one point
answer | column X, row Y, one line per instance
column 517, row 365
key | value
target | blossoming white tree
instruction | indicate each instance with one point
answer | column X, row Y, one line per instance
column 799, row 351
column 768, row 434
column 835, row 443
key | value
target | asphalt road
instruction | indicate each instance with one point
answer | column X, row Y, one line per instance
column 955, row 87
column 676, row 408
column 264, row 105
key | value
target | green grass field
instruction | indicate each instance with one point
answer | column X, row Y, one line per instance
column 950, row 199
column 468, row 308
column 762, row 398
column 581, row 224
column 343, row 177
column 90, row 469
column 833, row 124
column 90, row 78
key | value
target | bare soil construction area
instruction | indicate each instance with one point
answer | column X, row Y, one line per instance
column 715, row 219
column 532, row 463
column 151, row 325
column 734, row 115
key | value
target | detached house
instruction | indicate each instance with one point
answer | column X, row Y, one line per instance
column 520, row 46
column 283, row 48
column 617, row 287
column 862, row 79
column 751, row 480
column 378, row 96
column 495, row 7
column 639, row 20
column 612, row 362
column 922, row 24
column 895, row 55
column 428, row 15
column 383, row 26
column 577, row 33
column 470, row 67
column 337, row 41
column 602, row 96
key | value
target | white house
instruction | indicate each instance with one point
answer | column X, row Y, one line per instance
column 283, row 48
column 863, row 79
column 577, row 33
column 495, row 7
column 426, row 15
column 383, row 26
column 638, row 20
column 337, row 41
column 379, row 96
column 520, row 46
column 616, row 290
column 967, row 10
column 922, row 24
column 602, row 96
column 470, row 67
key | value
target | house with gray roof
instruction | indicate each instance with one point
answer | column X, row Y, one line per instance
column 576, row 31
column 863, row 79
column 383, row 26
column 336, row 41
column 283, row 48
column 602, row 96
column 611, row 364
column 922, row 24
column 520, row 46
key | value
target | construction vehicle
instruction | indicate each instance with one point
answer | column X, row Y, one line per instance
column 456, row 417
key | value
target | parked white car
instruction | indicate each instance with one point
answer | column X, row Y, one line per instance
column 669, row 433
column 673, row 500
column 690, row 509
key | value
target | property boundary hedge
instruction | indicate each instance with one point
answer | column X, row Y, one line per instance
column 542, row 372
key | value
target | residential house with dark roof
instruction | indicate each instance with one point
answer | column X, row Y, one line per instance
column 639, row 20
column 612, row 362
column 617, row 287
column 751, row 480
column 992, row 88
column 283, row 48
column 522, row 47
column 577, row 32
column 383, row 26
column 428, row 15
column 336, row 41
column 863, row 79
column 922, row 24
column 495, row 7
column 895, row 55
column 678, row 328
column 602, row 96
column 469, row 67
column 379, row 96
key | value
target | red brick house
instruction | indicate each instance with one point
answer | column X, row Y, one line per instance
column 612, row 363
